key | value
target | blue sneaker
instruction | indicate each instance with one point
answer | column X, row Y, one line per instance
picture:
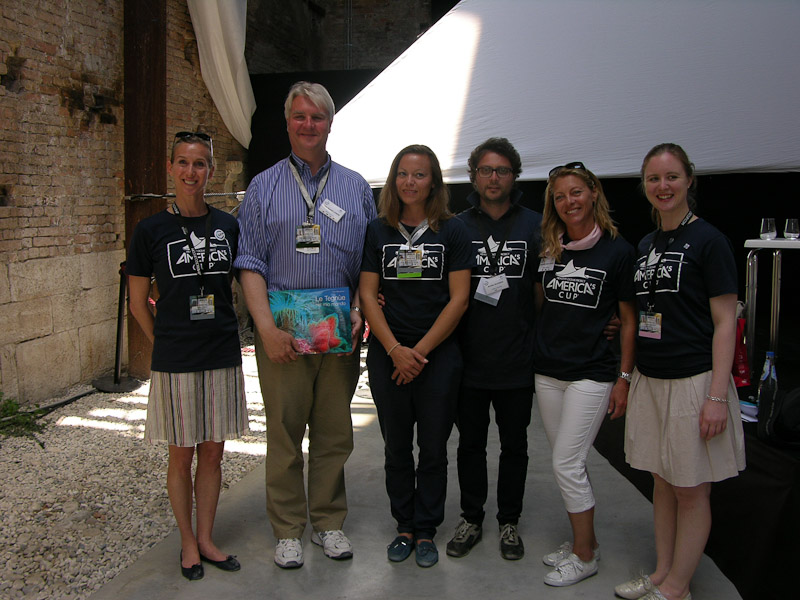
column 427, row 554
column 400, row 548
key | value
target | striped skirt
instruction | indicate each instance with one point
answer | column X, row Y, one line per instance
column 185, row 409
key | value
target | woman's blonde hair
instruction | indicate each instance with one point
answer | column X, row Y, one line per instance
column 552, row 225
column 389, row 204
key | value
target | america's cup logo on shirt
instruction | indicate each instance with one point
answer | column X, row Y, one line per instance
column 511, row 261
column 578, row 286
column 181, row 259
column 668, row 274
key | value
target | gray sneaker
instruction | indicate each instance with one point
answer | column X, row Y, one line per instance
column 511, row 547
column 466, row 536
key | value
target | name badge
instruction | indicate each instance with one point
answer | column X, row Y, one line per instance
column 482, row 294
column 330, row 210
column 201, row 307
column 497, row 283
column 547, row 264
column 409, row 263
column 307, row 238
column 650, row 324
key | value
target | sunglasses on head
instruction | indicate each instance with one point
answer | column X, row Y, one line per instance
column 198, row 134
column 571, row 165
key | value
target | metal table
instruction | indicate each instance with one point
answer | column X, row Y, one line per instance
column 777, row 246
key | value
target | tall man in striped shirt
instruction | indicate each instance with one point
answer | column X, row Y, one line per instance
column 303, row 197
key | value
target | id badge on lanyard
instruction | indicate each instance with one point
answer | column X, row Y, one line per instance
column 409, row 262
column 308, row 238
column 409, row 257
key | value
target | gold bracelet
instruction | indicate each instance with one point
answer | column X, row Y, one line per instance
column 716, row 399
column 393, row 347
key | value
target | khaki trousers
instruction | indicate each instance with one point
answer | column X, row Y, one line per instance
column 314, row 390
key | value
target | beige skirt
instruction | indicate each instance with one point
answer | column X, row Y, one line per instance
column 662, row 431
column 185, row 409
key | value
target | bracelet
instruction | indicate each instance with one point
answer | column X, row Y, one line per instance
column 393, row 347
column 624, row 375
column 356, row 309
column 716, row 399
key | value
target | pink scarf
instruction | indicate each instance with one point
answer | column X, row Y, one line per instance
column 584, row 243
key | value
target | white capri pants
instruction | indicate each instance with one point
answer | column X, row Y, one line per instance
column 572, row 413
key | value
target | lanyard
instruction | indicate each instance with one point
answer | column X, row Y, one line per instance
column 494, row 259
column 653, row 279
column 415, row 235
column 304, row 191
column 185, row 230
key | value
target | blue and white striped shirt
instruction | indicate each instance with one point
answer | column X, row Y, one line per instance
column 272, row 210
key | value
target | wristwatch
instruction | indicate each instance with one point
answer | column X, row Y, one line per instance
column 625, row 376
column 356, row 308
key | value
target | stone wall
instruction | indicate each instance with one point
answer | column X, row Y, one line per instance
column 61, row 182
column 61, row 212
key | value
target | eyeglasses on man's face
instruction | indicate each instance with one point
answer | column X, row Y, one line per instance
column 486, row 171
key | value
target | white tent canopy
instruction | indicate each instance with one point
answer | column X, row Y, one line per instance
column 600, row 81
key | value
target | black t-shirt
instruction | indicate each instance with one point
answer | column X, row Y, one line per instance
column 698, row 265
column 497, row 341
column 413, row 304
column 581, row 293
column 159, row 247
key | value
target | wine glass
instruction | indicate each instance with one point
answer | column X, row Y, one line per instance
column 791, row 231
column 768, row 231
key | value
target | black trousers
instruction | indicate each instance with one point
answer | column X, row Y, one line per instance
column 512, row 410
column 416, row 494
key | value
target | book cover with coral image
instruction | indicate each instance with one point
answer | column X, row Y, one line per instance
column 318, row 319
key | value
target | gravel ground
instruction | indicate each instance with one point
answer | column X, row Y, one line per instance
column 78, row 511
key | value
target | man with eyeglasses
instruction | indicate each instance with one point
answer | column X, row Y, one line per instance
column 497, row 338
column 302, row 227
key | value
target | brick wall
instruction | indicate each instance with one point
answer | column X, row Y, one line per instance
column 61, row 212
column 61, row 182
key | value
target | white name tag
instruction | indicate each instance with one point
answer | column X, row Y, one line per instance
column 547, row 264
column 495, row 284
column 330, row 210
column 484, row 295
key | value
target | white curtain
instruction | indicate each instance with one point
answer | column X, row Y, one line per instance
column 219, row 26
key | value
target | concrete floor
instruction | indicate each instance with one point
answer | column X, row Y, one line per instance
column 623, row 523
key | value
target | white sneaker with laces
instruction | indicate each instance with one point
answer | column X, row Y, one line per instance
column 570, row 570
column 334, row 543
column 564, row 550
column 289, row 553
column 635, row 588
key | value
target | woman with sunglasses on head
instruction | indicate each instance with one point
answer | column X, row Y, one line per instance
column 197, row 387
column 586, row 276
column 683, row 424
column 420, row 258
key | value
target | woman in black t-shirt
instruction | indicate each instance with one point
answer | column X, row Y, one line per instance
column 196, row 386
column 586, row 275
column 683, row 421
column 421, row 259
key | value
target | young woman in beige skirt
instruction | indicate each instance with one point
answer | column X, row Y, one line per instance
column 683, row 421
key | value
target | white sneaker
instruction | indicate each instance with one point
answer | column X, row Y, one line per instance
column 635, row 588
column 289, row 553
column 334, row 543
column 564, row 550
column 570, row 570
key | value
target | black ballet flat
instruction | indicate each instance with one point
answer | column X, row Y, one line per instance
column 229, row 564
column 192, row 573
